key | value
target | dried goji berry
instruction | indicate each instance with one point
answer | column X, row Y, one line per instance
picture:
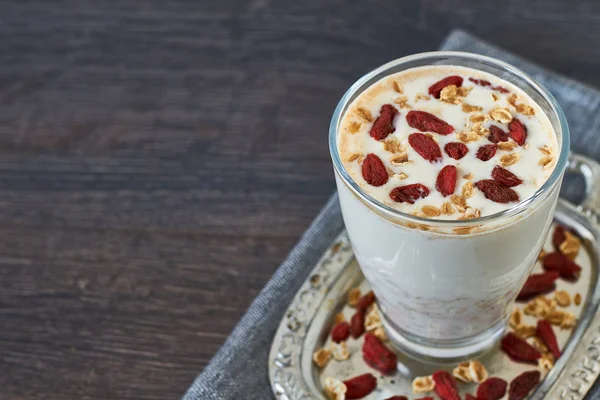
column 425, row 146
column 446, row 180
column 469, row 396
column 426, row 122
column 558, row 237
column 523, row 384
column 456, row 150
column 544, row 331
column 483, row 82
column 556, row 261
column 377, row 355
column 497, row 135
column 538, row 284
column 517, row 131
column 365, row 301
column 360, row 386
column 497, row 192
column 384, row 124
column 492, row 389
column 484, row 153
column 480, row 82
column 505, row 177
column 357, row 324
column 374, row 171
column 501, row 89
column 399, row 398
column 340, row 332
column 409, row 193
column 519, row 350
column 445, row 386
column 437, row 87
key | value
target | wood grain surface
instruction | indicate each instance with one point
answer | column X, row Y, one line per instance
column 158, row 159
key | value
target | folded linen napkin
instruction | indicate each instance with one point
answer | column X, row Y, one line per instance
column 239, row 369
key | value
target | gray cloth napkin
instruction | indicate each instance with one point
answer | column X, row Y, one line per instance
column 239, row 369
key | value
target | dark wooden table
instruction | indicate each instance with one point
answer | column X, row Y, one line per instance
column 159, row 159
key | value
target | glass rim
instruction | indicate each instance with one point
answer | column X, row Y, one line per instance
column 518, row 208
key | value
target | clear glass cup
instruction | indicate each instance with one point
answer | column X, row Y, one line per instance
column 445, row 288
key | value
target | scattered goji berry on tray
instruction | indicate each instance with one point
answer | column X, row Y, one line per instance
column 567, row 268
column 546, row 334
column 445, row 386
column 377, row 355
column 519, row 350
column 538, row 284
column 340, row 332
column 523, row 384
column 360, row 386
column 357, row 324
column 492, row 389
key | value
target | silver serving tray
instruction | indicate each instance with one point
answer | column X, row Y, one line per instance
column 307, row 322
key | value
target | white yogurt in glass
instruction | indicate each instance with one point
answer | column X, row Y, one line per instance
column 445, row 281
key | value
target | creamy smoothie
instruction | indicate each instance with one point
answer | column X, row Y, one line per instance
column 451, row 146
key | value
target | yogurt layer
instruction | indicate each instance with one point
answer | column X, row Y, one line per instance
column 460, row 143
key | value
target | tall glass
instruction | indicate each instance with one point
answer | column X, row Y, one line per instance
column 445, row 288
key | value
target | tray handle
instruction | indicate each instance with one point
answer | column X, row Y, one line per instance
column 590, row 170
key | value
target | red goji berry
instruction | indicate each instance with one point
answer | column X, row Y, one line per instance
column 384, row 124
column 558, row 237
column 409, row 193
column 483, row 82
column 373, row 170
column 497, row 192
column 437, row 87
column 425, row 146
column 399, row 398
column 523, row 384
column 538, row 284
column 519, row 350
column 517, row 131
column 546, row 334
column 340, row 332
column 365, row 301
column 556, row 261
column 456, row 150
column 505, row 177
column 497, row 135
column 427, row 122
column 486, row 152
column 360, row 386
column 357, row 324
column 377, row 355
column 480, row 82
column 446, row 180
column 492, row 389
column 445, row 386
